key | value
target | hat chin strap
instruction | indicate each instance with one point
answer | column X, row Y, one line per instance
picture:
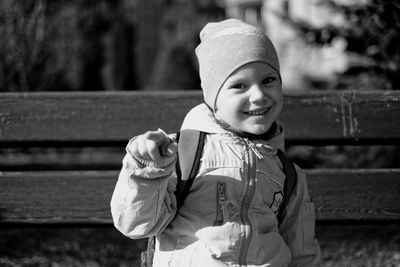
column 208, row 106
column 222, row 123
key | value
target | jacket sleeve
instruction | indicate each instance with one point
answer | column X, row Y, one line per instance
column 298, row 226
column 143, row 202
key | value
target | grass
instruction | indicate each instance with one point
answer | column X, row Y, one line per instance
column 358, row 245
column 59, row 247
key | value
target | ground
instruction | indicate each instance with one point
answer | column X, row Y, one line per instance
column 342, row 245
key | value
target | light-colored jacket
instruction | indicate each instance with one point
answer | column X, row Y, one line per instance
column 229, row 216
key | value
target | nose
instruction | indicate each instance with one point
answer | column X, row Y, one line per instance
column 256, row 94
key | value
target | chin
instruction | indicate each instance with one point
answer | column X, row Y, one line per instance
column 259, row 130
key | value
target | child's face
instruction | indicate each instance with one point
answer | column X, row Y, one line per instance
column 251, row 98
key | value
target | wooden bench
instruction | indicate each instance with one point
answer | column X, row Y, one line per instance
column 49, row 190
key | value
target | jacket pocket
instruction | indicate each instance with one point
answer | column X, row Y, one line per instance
column 227, row 210
column 221, row 204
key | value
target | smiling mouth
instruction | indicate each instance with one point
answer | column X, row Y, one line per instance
column 257, row 112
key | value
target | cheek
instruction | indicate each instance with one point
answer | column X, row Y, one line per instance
column 230, row 104
column 277, row 96
column 278, row 109
column 279, row 102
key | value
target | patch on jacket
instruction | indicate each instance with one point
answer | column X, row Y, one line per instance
column 276, row 202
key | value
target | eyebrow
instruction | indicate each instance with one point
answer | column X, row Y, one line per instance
column 238, row 79
column 233, row 81
column 271, row 72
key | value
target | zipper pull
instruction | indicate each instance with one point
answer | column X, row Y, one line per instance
column 253, row 148
column 222, row 199
column 221, row 206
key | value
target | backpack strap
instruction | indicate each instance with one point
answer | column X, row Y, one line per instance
column 290, row 183
column 146, row 257
column 190, row 150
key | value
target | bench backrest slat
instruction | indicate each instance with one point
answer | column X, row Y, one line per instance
column 114, row 117
column 83, row 196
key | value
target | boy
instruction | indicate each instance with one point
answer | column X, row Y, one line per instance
column 229, row 217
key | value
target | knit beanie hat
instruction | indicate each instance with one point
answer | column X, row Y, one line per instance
column 226, row 46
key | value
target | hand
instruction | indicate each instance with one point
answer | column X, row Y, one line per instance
column 153, row 145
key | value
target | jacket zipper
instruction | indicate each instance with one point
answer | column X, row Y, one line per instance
column 248, row 196
column 221, row 206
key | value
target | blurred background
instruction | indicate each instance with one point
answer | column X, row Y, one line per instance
column 119, row 45
column 145, row 45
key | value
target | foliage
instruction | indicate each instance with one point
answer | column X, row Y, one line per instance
column 61, row 45
column 372, row 33
column 22, row 29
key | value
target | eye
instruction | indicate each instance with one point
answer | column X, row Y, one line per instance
column 238, row 86
column 269, row 80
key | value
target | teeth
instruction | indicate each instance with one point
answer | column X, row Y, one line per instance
column 259, row 112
